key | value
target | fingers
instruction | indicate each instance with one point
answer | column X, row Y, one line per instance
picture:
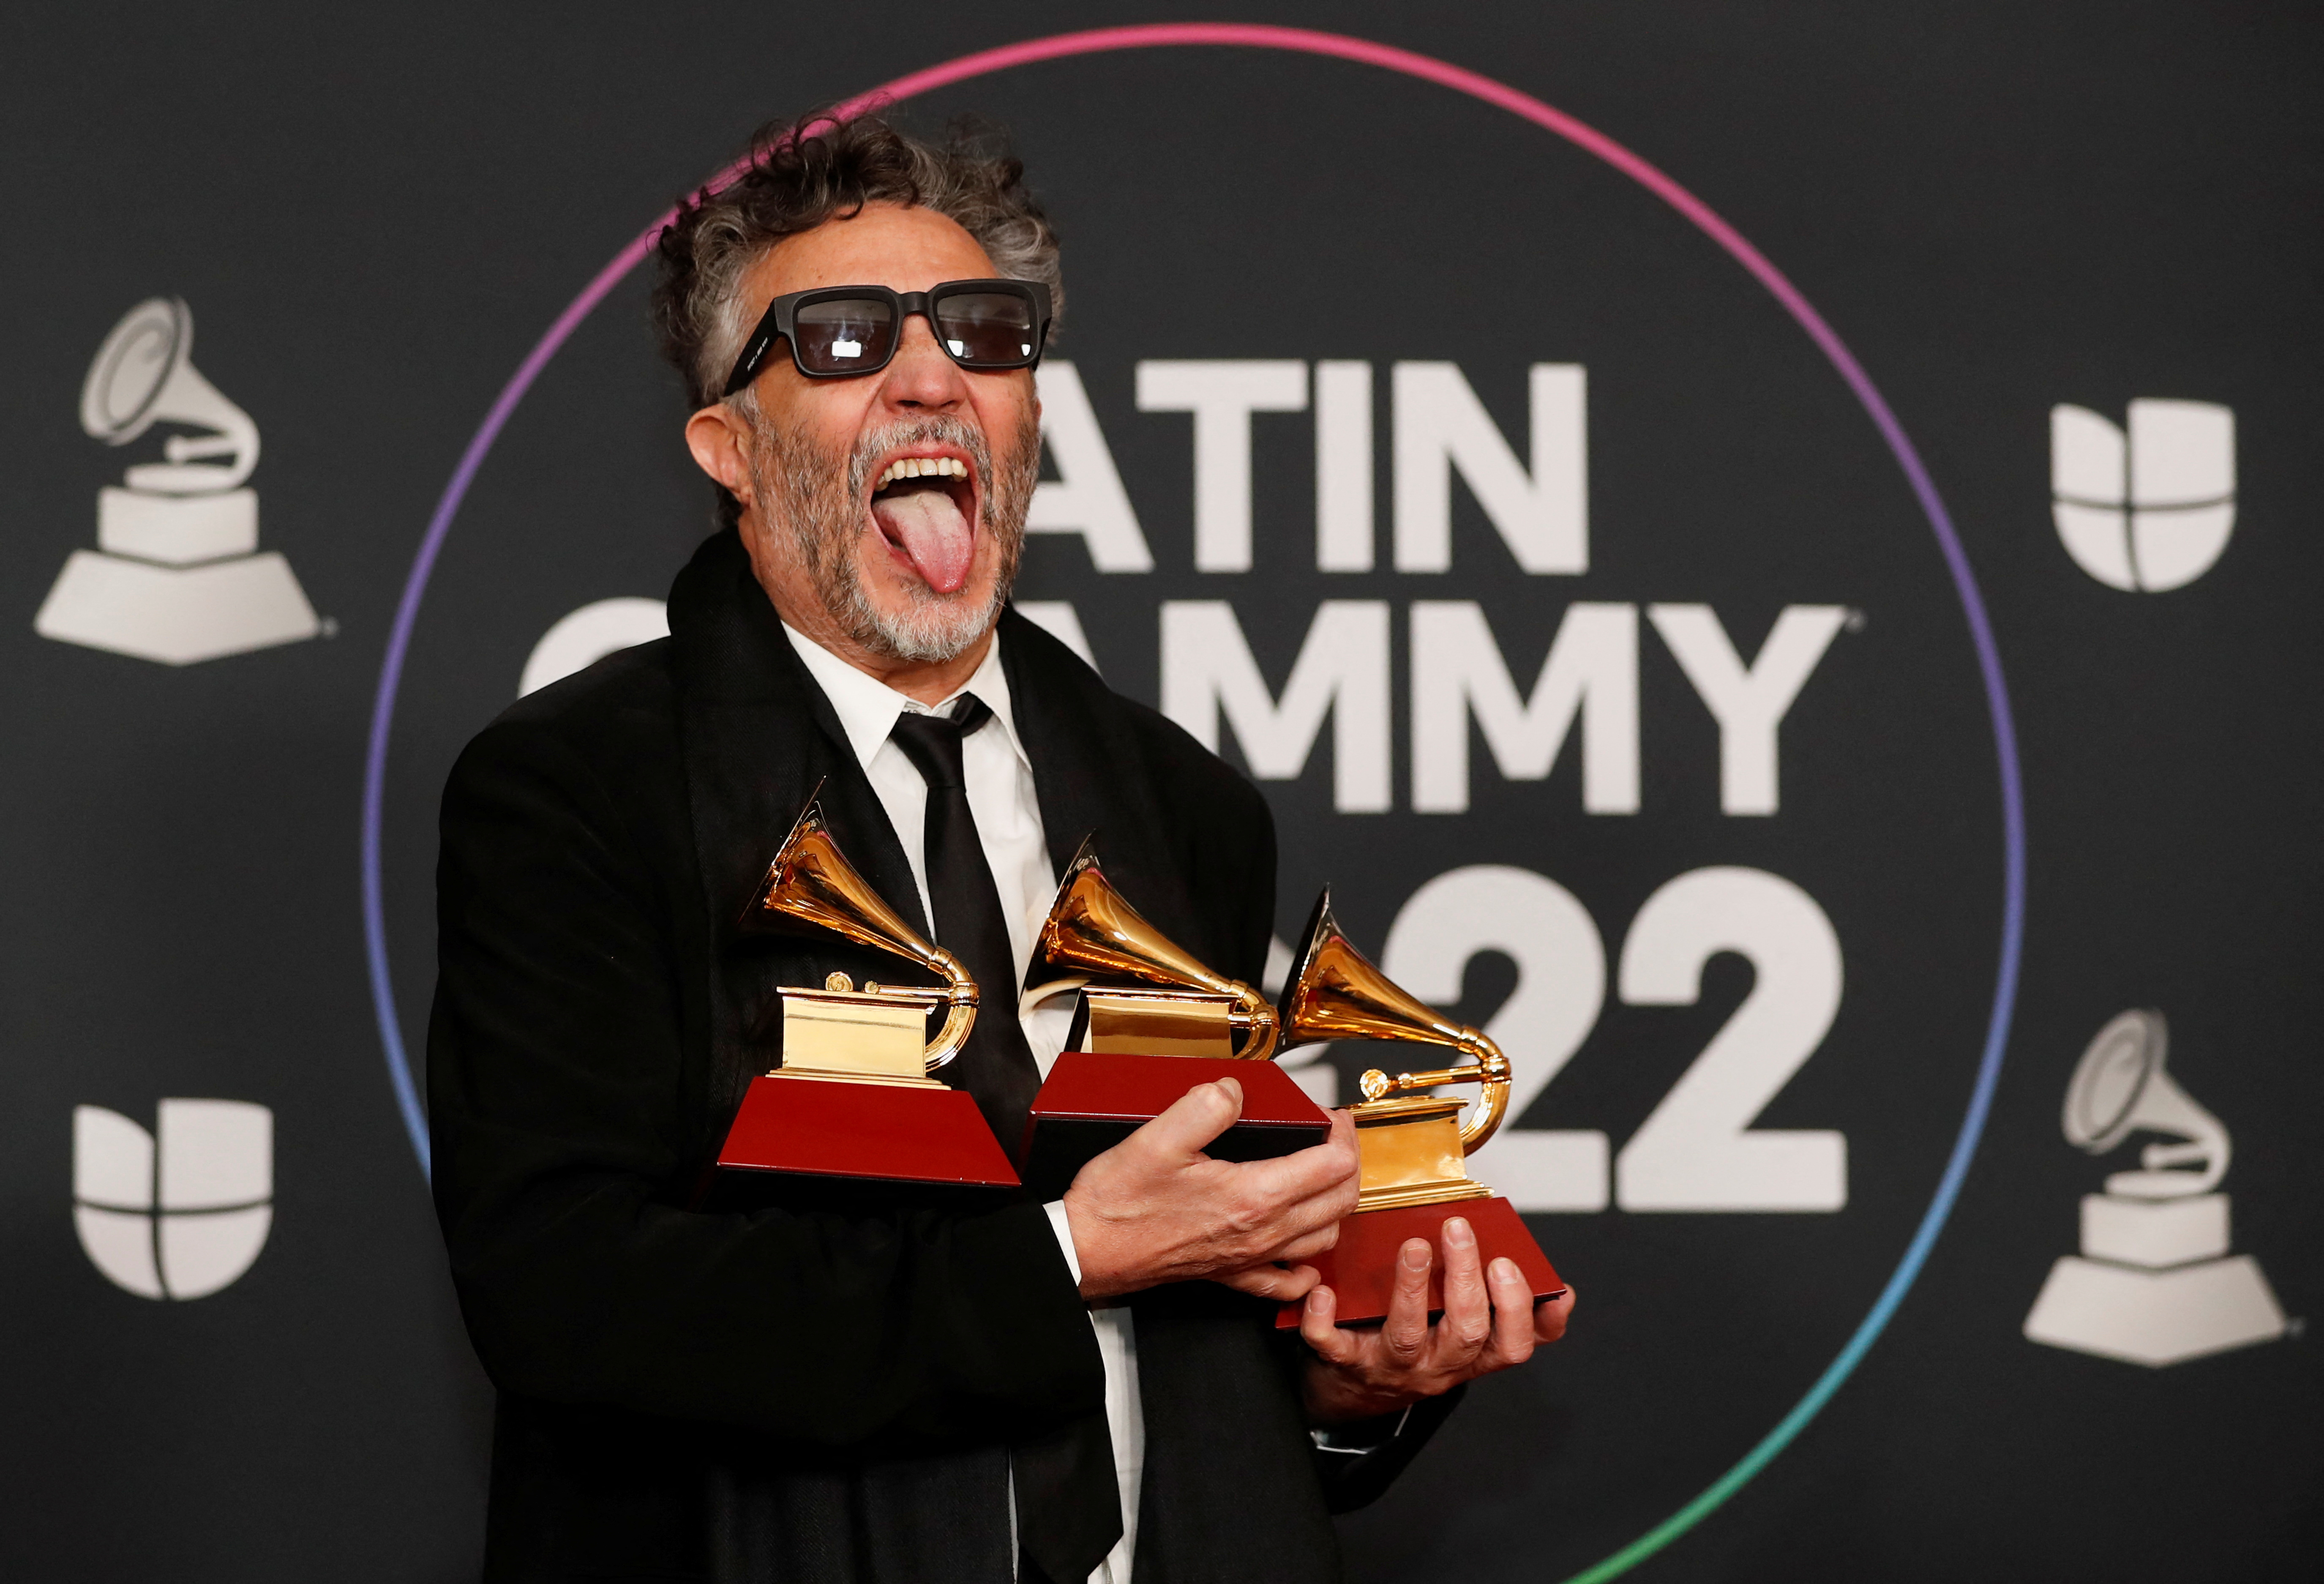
column 1318, row 1328
column 1549, row 1318
column 1192, row 1122
column 1326, row 1171
column 1514, row 1315
column 1309, row 1189
column 1467, row 1315
column 1405, row 1332
column 1271, row 1280
column 1307, row 1245
column 1265, row 1228
column 1335, row 1154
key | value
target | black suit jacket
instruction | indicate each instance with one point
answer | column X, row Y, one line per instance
column 822, row 1391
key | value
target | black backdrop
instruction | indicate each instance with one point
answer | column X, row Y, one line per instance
column 1998, row 208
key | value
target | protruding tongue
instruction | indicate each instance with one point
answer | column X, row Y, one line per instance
column 932, row 530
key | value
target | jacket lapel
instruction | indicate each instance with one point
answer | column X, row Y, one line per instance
column 1092, row 774
column 759, row 738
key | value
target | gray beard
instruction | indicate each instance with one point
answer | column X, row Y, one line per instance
column 816, row 496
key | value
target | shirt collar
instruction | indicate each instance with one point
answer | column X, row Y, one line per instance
column 867, row 707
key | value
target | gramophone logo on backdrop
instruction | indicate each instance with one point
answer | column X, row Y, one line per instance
column 178, row 1216
column 2150, row 510
column 177, row 575
column 2155, row 1283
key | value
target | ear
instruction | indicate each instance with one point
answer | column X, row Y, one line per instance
column 719, row 441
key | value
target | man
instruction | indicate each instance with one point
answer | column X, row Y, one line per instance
column 905, row 1387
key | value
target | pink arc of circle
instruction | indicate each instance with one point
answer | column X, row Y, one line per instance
column 1363, row 52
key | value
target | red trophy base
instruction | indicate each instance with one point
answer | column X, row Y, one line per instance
column 1361, row 1271
column 1092, row 1101
column 883, row 1132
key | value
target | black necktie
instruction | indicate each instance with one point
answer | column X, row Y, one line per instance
column 995, row 1066
column 1068, row 1508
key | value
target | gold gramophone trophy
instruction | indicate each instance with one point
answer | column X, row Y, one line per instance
column 1411, row 1147
column 1156, row 1023
column 854, row 1097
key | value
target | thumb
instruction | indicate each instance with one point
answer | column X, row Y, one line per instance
column 1192, row 1120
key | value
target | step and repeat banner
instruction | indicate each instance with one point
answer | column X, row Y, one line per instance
column 1769, row 558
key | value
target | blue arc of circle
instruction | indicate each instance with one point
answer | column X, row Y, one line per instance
column 1989, row 657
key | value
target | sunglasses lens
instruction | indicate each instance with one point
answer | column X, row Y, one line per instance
column 845, row 335
column 987, row 329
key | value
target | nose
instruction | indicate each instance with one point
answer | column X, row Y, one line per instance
column 923, row 377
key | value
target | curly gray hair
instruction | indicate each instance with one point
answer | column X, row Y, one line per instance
column 800, row 174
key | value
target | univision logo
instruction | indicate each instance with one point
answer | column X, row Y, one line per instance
column 2150, row 509
column 211, row 1176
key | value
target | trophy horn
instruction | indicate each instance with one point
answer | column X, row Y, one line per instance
column 1334, row 991
column 1093, row 934
column 812, row 888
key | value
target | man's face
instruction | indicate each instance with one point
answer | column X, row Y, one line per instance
column 911, row 568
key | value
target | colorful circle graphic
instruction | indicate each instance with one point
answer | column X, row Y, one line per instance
column 1698, row 214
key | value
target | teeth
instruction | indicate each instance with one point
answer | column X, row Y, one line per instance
column 922, row 467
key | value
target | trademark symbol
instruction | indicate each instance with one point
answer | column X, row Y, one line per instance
column 330, row 626
column 1855, row 619
column 2296, row 1327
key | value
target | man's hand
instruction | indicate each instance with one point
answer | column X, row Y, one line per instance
column 1155, row 1208
column 1490, row 1323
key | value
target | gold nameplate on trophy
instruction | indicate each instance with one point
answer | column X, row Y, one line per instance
column 1160, row 1021
column 1410, row 1153
column 1411, row 1148
column 873, row 1035
column 853, row 1097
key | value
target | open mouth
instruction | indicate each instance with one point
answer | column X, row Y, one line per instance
column 926, row 509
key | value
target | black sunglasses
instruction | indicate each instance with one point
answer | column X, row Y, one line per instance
column 840, row 330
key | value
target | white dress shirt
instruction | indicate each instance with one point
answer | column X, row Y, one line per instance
column 999, row 779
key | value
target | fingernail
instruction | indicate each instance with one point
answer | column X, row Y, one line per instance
column 1416, row 1255
column 1314, row 1300
column 1457, row 1233
column 1506, row 1270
